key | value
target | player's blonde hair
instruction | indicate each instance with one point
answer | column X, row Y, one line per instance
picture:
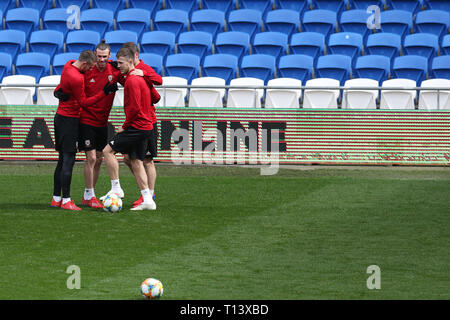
column 87, row 56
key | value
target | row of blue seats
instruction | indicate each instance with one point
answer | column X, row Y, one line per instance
column 260, row 66
column 245, row 20
column 226, row 6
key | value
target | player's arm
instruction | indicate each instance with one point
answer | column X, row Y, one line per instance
column 133, row 93
column 78, row 92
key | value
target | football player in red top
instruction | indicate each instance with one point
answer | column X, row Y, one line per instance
column 72, row 99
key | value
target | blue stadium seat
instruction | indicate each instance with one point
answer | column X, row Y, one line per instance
column 151, row 5
column 346, row 43
column 12, row 42
column 233, row 42
column 297, row 66
column 82, row 4
column 364, row 4
column 220, row 65
column 445, row 46
column 172, row 20
column 421, row 44
column 308, row 43
column 1, row 19
column 283, row 20
column 158, row 42
column 134, row 19
column 114, row 5
column 24, row 19
column 56, row 19
column 333, row 5
column 396, row 21
column 222, row 5
column 412, row 6
column 438, row 4
column 410, row 67
column 117, row 38
column 198, row 43
column 100, row 20
column 334, row 66
column 186, row 5
column 39, row 5
column 208, row 20
column 262, row 6
column 355, row 21
column 153, row 60
column 184, row 65
column 433, row 21
column 385, row 44
column 61, row 59
column 297, row 5
column 245, row 20
column 260, row 66
column 79, row 40
column 321, row 21
column 6, row 5
column 270, row 43
column 372, row 67
column 47, row 41
column 440, row 67
column 33, row 64
column 5, row 65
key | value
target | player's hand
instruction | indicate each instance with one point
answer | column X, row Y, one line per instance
column 114, row 64
column 110, row 88
column 120, row 129
column 61, row 95
column 137, row 72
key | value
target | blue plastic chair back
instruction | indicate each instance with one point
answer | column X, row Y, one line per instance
column 47, row 41
column 39, row 5
column 421, row 44
column 153, row 60
column 220, row 65
column 445, row 46
column 233, row 42
column 412, row 6
column 440, row 67
column 261, row 66
column 297, row 5
column 410, row 67
column 100, row 20
column 321, row 21
column 12, row 42
column 433, row 21
column 297, row 66
column 222, row 5
column 283, row 20
column 385, row 44
column 33, row 64
column 245, row 20
column 134, row 19
column 355, row 21
column 307, row 43
column 373, row 67
column 185, row 5
column 364, row 4
column 346, row 43
column 80, row 40
column 208, row 20
column 184, row 65
column 61, row 59
column 396, row 21
column 438, row 4
column 7, row 4
column 151, row 5
column 262, row 6
column 158, row 42
column 270, row 43
column 333, row 5
column 117, row 38
column 82, row 4
column 56, row 19
column 5, row 65
column 24, row 19
column 198, row 43
column 114, row 5
column 335, row 66
column 172, row 20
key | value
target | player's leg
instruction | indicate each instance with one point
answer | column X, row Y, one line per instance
column 142, row 182
column 112, row 166
column 97, row 166
column 66, row 180
column 56, row 200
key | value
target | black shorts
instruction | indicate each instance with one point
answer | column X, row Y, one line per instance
column 92, row 137
column 66, row 133
column 132, row 141
column 152, row 146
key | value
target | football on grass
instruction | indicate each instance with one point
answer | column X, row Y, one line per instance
column 112, row 203
column 152, row 289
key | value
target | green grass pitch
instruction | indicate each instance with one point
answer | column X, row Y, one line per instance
column 230, row 233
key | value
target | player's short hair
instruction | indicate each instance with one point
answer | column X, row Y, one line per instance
column 132, row 46
column 127, row 53
column 87, row 56
column 103, row 46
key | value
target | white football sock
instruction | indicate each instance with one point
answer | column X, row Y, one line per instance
column 146, row 195
column 115, row 184
column 65, row 200
column 89, row 194
column 57, row 198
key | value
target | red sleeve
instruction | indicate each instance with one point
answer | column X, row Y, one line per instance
column 77, row 86
column 132, row 108
column 150, row 76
